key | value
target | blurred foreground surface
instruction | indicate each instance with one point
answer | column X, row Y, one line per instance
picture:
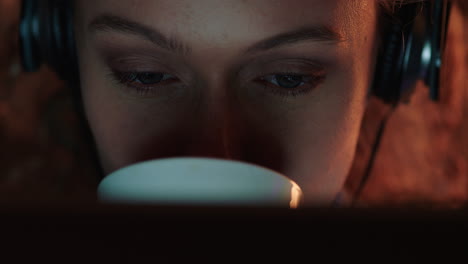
column 423, row 156
column 69, row 233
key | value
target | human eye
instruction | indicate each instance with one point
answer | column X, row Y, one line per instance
column 288, row 83
column 288, row 77
column 144, row 82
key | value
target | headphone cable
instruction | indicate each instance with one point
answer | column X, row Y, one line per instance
column 373, row 155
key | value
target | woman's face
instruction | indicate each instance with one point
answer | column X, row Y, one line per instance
column 278, row 83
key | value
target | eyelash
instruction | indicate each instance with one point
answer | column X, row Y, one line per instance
column 130, row 79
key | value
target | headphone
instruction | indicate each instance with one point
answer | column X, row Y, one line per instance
column 47, row 37
column 413, row 46
column 413, row 42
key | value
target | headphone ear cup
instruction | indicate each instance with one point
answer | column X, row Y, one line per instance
column 29, row 31
column 397, row 47
column 47, row 45
column 412, row 52
column 438, row 36
column 60, row 49
column 46, row 36
column 388, row 70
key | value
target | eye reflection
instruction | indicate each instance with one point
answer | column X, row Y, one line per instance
column 286, row 81
column 146, row 78
column 149, row 78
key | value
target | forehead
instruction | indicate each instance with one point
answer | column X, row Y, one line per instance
column 207, row 18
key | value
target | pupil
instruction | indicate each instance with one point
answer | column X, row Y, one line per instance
column 289, row 81
column 149, row 78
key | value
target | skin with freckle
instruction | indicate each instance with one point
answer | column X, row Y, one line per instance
column 219, row 100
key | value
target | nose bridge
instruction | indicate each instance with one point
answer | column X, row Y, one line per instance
column 212, row 130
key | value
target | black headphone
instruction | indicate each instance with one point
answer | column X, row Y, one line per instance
column 47, row 37
column 412, row 46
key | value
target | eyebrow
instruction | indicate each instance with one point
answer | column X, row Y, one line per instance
column 319, row 33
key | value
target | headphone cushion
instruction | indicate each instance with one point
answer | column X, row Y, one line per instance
column 55, row 40
column 388, row 70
